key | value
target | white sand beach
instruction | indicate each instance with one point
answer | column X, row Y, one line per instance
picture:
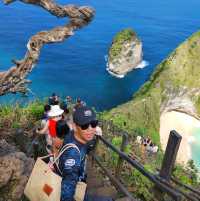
column 184, row 124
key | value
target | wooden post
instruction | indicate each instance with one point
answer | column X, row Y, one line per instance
column 94, row 151
column 168, row 161
column 120, row 160
column 170, row 155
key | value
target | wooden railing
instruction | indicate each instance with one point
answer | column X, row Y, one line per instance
column 161, row 180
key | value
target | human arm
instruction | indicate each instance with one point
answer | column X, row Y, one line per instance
column 70, row 166
column 44, row 130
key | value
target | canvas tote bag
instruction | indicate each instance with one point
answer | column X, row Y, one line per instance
column 45, row 185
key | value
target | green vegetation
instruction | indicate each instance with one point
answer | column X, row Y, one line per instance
column 141, row 183
column 137, row 118
column 197, row 104
column 15, row 116
column 187, row 175
column 126, row 35
column 117, row 141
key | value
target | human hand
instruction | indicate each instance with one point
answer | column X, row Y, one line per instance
column 37, row 130
column 98, row 131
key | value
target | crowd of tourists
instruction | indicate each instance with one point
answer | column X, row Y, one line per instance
column 70, row 129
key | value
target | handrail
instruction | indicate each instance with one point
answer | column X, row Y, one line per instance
column 192, row 198
column 186, row 186
column 176, row 195
column 116, row 182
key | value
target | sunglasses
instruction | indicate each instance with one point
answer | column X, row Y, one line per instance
column 93, row 124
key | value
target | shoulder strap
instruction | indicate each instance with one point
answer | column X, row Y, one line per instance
column 64, row 148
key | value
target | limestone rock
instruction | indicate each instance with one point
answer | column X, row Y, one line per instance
column 125, row 52
column 15, row 169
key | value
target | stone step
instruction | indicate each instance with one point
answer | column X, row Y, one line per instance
column 94, row 183
column 123, row 199
column 104, row 191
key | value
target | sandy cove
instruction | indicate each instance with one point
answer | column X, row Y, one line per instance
column 184, row 124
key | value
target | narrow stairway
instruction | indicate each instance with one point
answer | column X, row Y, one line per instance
column 99, row 184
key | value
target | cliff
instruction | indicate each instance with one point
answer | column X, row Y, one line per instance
column 125, row 52
column 174, row 86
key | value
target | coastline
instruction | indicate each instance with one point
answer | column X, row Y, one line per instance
column 184, row 124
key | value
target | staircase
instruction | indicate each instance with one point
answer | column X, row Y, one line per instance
column 100, row 185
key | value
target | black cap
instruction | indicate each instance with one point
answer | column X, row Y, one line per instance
column 83, row 115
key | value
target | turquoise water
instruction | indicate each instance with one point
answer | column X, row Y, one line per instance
column 196, row 147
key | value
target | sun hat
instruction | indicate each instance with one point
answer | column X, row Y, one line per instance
column 55, row 111
column 83, row 115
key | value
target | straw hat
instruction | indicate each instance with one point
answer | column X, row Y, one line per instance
column 55, row 111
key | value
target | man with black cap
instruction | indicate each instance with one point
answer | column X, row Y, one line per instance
column 72, row 161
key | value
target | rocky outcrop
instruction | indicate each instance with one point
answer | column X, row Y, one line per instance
column 180, row 100
column 125, row 52
column 15, row 169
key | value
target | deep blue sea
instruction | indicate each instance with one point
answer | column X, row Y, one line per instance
column 77, row 67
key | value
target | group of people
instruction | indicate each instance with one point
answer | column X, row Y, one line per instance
column 67, row 104
column 55, row 111
column 147, row 143
column 79, row 134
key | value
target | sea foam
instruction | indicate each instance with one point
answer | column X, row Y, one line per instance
column 143, row 64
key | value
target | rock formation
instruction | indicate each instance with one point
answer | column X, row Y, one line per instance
column 125, row 52
column 15, row 168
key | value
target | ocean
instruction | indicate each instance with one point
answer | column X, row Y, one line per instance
column 77, row 67
column 195, row 147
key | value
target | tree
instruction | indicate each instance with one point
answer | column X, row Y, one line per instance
column 14, row 79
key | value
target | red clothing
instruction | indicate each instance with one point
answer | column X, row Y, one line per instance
column 52, row 128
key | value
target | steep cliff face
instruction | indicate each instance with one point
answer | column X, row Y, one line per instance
column 125, row 52
column 174, row 85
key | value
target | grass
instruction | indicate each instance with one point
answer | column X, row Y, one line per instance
column 15, row 116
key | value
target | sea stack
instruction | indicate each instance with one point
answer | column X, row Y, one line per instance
column 125, row 52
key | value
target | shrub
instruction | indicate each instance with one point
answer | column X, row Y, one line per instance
column 142, row 184
column 117, row 141
column 122, row 37
column 35, row 109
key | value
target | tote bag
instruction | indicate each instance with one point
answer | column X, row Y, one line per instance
column 45, row 185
